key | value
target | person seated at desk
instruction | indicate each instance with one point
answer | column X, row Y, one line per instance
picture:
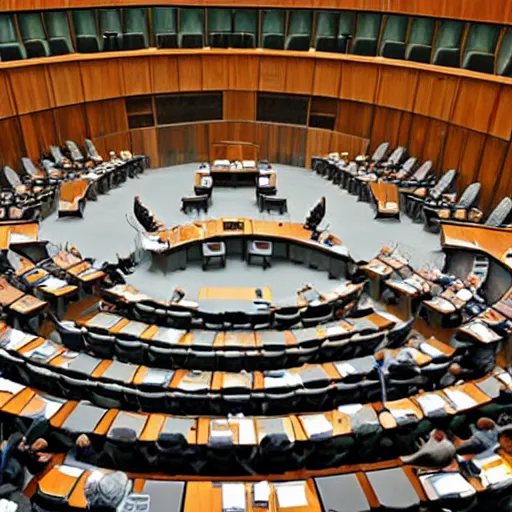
column 454, row 375
column 437, row 452
column 485, row 437
column 106, row 492
column 480, row 358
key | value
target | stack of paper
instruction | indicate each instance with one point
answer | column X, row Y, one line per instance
column 430, row 350
column 431, row 404
column 317, row 426
column 261, row 494
column 220, row 433
column 459, row 400
column 233, row 498
column 345, row 369
column 292, row 494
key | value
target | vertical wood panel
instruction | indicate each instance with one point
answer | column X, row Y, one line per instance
column 7, row 105
column 144, row 142
column 397, row 88
column 66, row 82
column 11, row 143
column 215, row 72
column 70, row 124
column 454, row 148
column 102, row 79
column 386, row 127
column 116, row 142
column 474, row 104
column 417, row 135
column 190, row 73
column 273, row 74
column 244, row 71
column 299, row 76
column 239, row 105
column 358, row 81
column 31, row 89
column 39, row 132
column 164, row 74
column 434, row 141
column 106, row 117
column 471, row 160
column 436, row 95
column 355, row 118
column 504, row 185
column 494, row 154
column 501, row 121
column 327, row 77
column 136, row 76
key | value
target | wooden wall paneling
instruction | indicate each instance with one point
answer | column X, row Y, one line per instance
column 66, row 82
column 358, row 81
column 70, row 124
column 106, row 117
column 417, row 136
column 190, row 73
column 215, row 72
column 404, row 129
column 319, row 143
column 355, row 118
column 102, row 79
column 500, row 124
column 164, row 74
column 435, row 96
column 504, row 185
column 292, row 145
column 136, row 76
column 144, row 142
column 353, row 145
column 273, row 74
column 239, row 105
column 7, row 104
column 244, row 72
column 202, row 134
column 470, row 160
column 272, row 146
column 39, row 132
column 31, row 89
column 177, row 144
column 11, row 143
column 453, row 149
column 386, row 127
column 116, row 142
column 475, row 104
column 327, row 77
column 491, row 169
column 299, row 76
column 435, row 138
column 397, row 87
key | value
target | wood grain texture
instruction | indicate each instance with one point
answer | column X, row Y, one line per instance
column 136, row 74
column 66, row 83
column 496, row 11
column 70, row 124
column 190, row 73
column 326, row 80
column 144, row 142
column 31, row 91
column 102, row 79
column 39, row 132
column 12, row 146
column 106, row 117
column 164, row 74
column 239, row 105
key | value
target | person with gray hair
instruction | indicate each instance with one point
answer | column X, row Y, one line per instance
column 106, row 492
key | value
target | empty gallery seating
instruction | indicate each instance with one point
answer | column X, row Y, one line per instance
column 326, row 31
column 86, row 31
column 164, row 27
column 10, row 47
column 111, row 29
column 219, row 27
column 59, row 36
column 393, row 37
column 33, row 34
column 245, row 28
column 447, row 44
column 191, row 28
column 135, row 34
column 299, row 30
column 419, row 45
column 272, row 35
column 480, row 48
column 367, row 34
column 504, row 59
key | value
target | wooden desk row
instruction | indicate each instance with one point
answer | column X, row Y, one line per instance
column 19, row 304
column 76, row 417
column 375, row 487
column 51, row 367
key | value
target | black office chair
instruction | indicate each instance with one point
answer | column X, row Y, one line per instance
column 286, row 317
column 314, row 315
column 101, row 345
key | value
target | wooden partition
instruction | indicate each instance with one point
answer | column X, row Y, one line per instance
column 454, row 117
column 498, row 11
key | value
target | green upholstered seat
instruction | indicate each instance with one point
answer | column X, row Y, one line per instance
column 135, row 36
column 326, row 31
column 33, row 34
column 164, row 27
column 447, row 46
column 367, row 34
column 504, row 64
column 393, row 39
column 86, row 31
column 272, row 35
column 480, row 48
column 346, row 27
column 10, row 47
column 245, row 28
column 57, row 28
column 299, row 31
column 191, row 28
column 110, row 23
column 219, row 27
column 419, row 47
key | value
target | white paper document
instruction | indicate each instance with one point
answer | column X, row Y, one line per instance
column 291, row 494
column 233, row 498
column 459, row 399
column 431, row 403
column 316, row 426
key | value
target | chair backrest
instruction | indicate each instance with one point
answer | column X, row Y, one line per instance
column 84, row 22
column 56, row 154
column 380, row 152
column 482, row 38
column 91, row 148
column 395, row 29
column 409, row 164
column 504, row 67
column 57, row 24
column 326, row 24
column 422, row 31
column 110, row 21
column 273, row 21
column 423, row 170
column 245, row 20
column 192, row 20
column 219, row 20
column 500, row 214
column 449, row 34
column 164, row 20
column 443, row 184
column 7, row 29
column 346, row 23
column 300, row 22
column 136, row 21
column 397, row 155
column 469, row 196
column 29, row 166
column 12, row 176
column 31, row 26
column 76, row 154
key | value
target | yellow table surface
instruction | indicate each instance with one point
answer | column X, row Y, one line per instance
column 228, row 293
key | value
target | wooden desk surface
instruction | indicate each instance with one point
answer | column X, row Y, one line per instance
column 28, row 304
column 8, row 293
column 30, row 230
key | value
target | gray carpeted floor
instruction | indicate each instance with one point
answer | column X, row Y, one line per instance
column 104, row 230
